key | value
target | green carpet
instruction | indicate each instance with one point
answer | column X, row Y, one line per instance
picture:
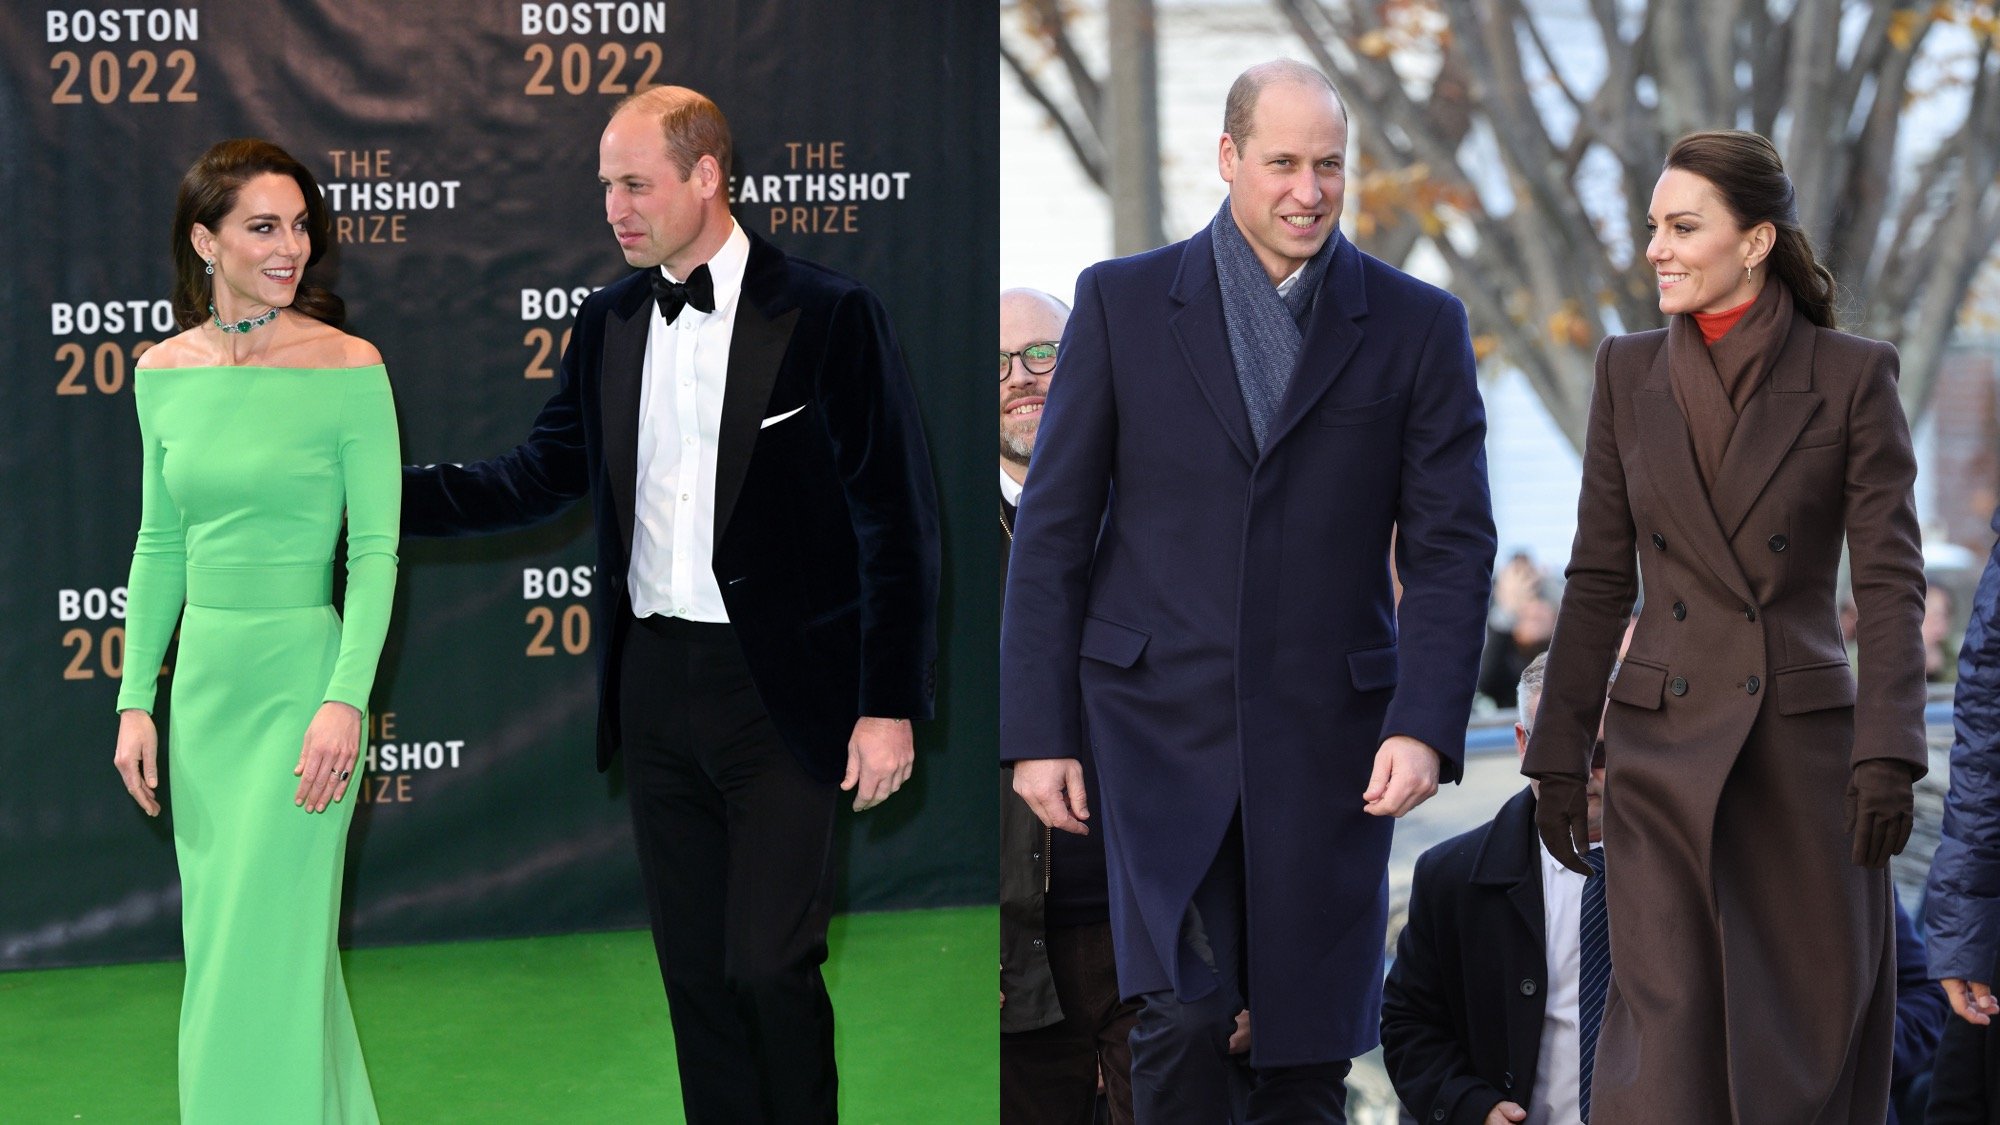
column 564, row 1029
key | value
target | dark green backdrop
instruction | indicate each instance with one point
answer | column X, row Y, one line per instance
column 457, row 141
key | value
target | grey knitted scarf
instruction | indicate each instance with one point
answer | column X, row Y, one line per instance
column 1266, row 331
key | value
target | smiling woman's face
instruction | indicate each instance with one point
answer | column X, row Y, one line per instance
column 258, row 248
column 1697, row 251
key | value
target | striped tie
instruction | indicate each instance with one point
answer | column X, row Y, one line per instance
column 1594, row 959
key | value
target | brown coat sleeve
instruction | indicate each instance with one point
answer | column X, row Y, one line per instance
column 1597, row 601
column 1885, row 552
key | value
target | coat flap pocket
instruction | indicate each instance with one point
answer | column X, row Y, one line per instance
column 1341, row 414
column 1640, row 685
column 1372, row 669
column 1818, row 436
column 1814, row 688
column 1110, row 642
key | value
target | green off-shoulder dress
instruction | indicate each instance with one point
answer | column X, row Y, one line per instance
column 248, row 473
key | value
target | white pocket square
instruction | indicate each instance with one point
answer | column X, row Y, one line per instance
column 777, row 418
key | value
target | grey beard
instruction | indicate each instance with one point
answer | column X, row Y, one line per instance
column 1016, row 449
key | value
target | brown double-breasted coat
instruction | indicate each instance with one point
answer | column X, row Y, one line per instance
column 1753, row 965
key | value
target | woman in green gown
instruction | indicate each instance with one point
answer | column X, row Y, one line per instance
column 264, row 425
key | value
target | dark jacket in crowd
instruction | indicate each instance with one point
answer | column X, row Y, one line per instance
column 1462, row 1008
column 1921, row 1011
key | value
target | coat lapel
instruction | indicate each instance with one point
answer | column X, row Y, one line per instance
column 622, row 368
column 757, row 344
column 1332, row 335
column 1676, row 481
column 1771, row 421
column 1508, row 860
column 1204, row 341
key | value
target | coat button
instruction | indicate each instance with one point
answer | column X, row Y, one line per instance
column 1679, row 686
column 1750, row 613
column 1778, row 543
column 1507, row 1080
column 1528, row 987
column 1751, row 685
column 1037, row 943
column 1659, row 541
column 1437, row 1115
column 1680, row 611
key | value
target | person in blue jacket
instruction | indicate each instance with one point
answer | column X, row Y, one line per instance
column 1963, row 912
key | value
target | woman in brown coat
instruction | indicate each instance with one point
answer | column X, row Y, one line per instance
column 1754, row 794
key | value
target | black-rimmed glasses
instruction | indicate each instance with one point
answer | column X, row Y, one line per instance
column 1039, row 359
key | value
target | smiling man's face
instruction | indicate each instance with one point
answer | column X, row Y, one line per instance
column 1287, row 175
column 1026, row 318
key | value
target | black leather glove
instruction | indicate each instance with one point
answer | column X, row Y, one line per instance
column 1880, row 808
column 1562, row 816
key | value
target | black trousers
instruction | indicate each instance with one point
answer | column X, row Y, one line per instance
column 1048, row 1076
column 1182, row 1073
column 735, row 845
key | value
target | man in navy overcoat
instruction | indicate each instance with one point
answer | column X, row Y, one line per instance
column 1202, row 578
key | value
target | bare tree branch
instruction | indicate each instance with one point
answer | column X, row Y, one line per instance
column 1089, row 154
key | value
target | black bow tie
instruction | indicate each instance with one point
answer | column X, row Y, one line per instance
column 673, row 296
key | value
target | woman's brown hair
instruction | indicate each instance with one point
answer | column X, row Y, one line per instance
column 208, row 192
column 1750, row 177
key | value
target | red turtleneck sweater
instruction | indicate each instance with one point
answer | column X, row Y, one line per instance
column 1714, row 326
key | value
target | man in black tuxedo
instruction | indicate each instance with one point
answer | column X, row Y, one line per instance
column 768, row 573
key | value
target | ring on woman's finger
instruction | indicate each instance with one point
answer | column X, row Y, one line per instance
column 345, row 774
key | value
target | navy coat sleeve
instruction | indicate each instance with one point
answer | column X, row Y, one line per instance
column 1444, row 546
column 530, row 483
column 1963, row 904
column 884, row 466
column 1055, row 540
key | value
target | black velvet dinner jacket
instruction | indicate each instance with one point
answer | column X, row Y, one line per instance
column 827, row 549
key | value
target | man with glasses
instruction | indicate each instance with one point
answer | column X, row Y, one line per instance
column 1062, row 1021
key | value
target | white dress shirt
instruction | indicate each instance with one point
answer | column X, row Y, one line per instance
column 680, row 420
column 1010, row 489
column 1556, row 1067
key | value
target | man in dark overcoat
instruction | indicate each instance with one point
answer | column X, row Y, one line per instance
column 1203, row 570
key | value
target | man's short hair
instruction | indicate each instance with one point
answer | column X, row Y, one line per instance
column 1530, row 687
column 1250, row 85
column 693, row 125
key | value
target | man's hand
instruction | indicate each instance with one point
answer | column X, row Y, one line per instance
column 880, row 756
column 1053, row 788
column 1506, row 1113
column 1406, row 775
column 1972, row 1000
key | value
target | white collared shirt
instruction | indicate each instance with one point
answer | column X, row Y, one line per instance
column 1291, row 282
column 680, row 422
column 1554, row 1101
column 1010, row 489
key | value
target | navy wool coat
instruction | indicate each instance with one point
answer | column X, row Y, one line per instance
column 1227, row 620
